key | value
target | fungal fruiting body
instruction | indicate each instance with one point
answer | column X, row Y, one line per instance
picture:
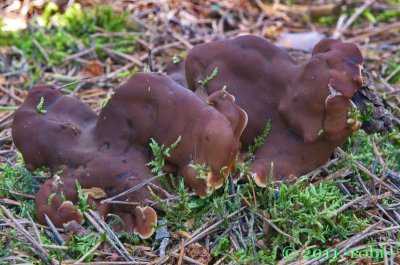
column 308, row 105
column 239, row 89
column 106, row 154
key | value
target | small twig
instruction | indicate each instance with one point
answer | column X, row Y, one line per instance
column 6, row 117
column 13, row 258
column 181, row 40
column 198, row 234
column 73, row 83
column 347, row 24
column 385, row 28
column 124, row 55
column 204, row 232
column 181, row 254
column 39, row 239
column 114, row 263
column 150, row 60
column 54, row 230
column 101, row 231
column 60, row 77
column 274, row 226
column 343, row 246
column 216, row 241
column 251, row 232
column 93, row 249
column 366, row 171
column 112, row 74
column 54, row 247
column 380, row 219
column 186, row 258
column 239, row 236
column 133, row 203
column 79, row 54
column 266, row 219
column 160, row 190
column 218, row 262
column 364, row 188
column 11, row 95
column 349, row 204
column 8, row 108
column 338, row 173
column 117, row 34
column 41, row 49
column 137, row 187
column 111, row 234
column 14, row 223
column 392, row 74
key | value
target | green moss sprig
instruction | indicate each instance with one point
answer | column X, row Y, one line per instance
column 259, row 140
column 39, row 106
column 176, row 59
column 208, row 78
column 160, row 152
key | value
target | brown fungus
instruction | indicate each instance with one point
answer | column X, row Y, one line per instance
column 309, row 105
column 107, row 154
column 169, row 111
column 145, row 221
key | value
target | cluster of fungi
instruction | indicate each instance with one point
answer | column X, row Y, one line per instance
column 216, row 102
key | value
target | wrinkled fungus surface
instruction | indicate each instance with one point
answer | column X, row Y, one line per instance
column 309, row 105
column 107, row 154
column 236, row 87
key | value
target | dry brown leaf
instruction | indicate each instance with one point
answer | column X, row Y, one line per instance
column 198, row 253
column 92, row 69
column 189, row 223
column 95, row 193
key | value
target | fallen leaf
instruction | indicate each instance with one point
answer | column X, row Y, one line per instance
column 95, row 193
column 198, row 253
column 92, row 69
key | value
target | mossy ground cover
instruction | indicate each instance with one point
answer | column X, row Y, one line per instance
column 249, row 225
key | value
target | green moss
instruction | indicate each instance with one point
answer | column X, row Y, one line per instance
column 259, row 140
column 223, row 246
column 176, row 59
column 393, row 65
column 388, row 15
column 16, row 179
column 176, row 214
column 79, row 246
column 159, row 153
column 210, row 77
column 327, row 20
column 82, row 198
column 359, row 147
column 39, row 106
column 306, row 212
column 128, row 73
column 54, row 35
